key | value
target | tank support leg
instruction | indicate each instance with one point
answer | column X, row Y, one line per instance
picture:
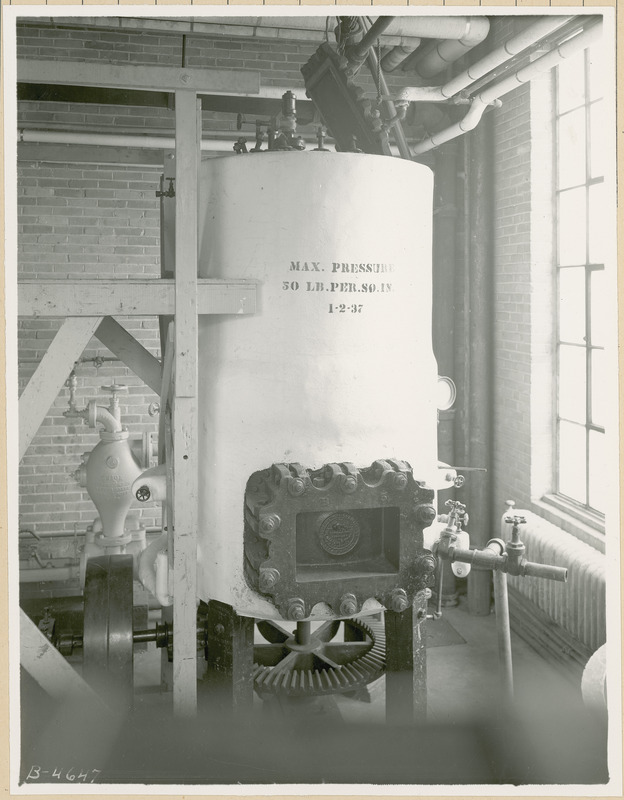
column 406, row 663
column 229, row 657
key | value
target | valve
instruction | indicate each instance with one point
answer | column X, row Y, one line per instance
column 321, row 133
column 73, row 411
column 170, row 191
column 458, row 515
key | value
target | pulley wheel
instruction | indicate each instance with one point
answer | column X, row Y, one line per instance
column 313, row 662
column 107, row 636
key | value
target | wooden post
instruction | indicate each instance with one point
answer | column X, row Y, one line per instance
column 185, row 463
column 406, row 664
column 229, row 673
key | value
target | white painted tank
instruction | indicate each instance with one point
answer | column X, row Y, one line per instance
column 337, row 363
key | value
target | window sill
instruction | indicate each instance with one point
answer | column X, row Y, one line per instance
column 583, row 526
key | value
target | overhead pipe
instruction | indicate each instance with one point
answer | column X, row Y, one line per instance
column 512, row 47
column 490, row 94
column 140, row 142
column 397, row 55
column 439, row 55
column 529, row 36
column 115, row 140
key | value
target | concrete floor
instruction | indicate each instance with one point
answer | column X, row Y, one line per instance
column 470, row 738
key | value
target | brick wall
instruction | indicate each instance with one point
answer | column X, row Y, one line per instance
column 81, row 221
column 523, row 293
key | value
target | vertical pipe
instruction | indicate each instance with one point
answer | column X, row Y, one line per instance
column 480, row 343
column 443, row 330
column 167, row 237
column 397, row 128
column 503, row 632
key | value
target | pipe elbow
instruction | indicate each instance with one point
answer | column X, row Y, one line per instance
column 147, row 559
column 477, row 29
column 107, row 420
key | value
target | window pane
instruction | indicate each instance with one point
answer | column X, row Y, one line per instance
column 571, row 82
column 572, row 461
column 571, row 390
column 572, row 239
column 596, row 128
column 597, row 218
column 597, row 298
column 572, row 304
column 598, row 383
column 596, row 73
column 572, row 154
column 597, row 461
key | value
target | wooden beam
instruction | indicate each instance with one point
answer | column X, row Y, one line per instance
column 89, row 154
column 406, row 663
column 157, row 79
column 119, row 298
column 132, row 353
column 52, row 372
column 185, row 427
column 53, row 673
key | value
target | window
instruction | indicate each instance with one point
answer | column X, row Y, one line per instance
column 581, row 377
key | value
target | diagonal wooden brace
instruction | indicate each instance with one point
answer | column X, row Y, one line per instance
column 51, row 373
column 131, row 352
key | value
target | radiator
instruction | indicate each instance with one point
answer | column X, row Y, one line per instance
column 578, row 606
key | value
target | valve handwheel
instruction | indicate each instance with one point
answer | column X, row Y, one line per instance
column 312, row 662
column 107, row 636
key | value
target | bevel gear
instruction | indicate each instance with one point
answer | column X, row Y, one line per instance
column 310, row 663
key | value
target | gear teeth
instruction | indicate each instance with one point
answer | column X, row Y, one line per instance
column 301, row 682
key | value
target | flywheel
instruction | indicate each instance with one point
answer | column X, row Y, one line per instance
column 108, row 634
column 311, row 662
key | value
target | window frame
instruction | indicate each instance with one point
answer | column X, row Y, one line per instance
column 580, row 510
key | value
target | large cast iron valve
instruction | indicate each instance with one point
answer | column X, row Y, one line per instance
column 110, row 469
